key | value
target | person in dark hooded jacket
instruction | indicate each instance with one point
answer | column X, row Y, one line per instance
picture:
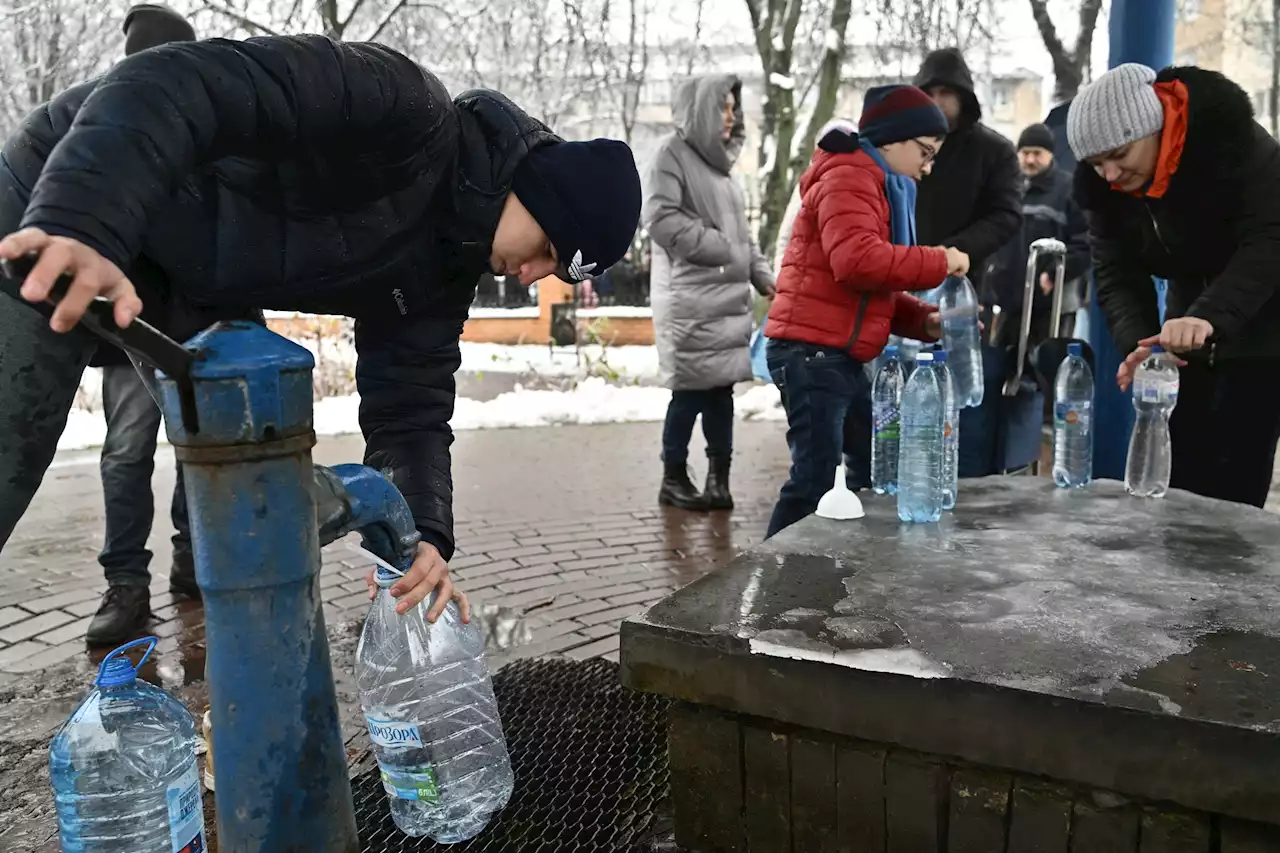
column 973, row 197
column 1178, row 181
column 298, row 173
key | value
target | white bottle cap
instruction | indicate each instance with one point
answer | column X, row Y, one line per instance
column 924, row 356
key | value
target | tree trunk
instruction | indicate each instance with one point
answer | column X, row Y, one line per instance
column 774, row 22
column 1069, row 67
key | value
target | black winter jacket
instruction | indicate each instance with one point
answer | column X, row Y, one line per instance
column 1215, row 235
column 1047, row 211
column 972, row 198
column 303, row 174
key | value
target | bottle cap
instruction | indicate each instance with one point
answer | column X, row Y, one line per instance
column 939, row 356
column 1157, row 349
column 891, row 350
column 924, row 357
column 1076, row 349
column 116, row 670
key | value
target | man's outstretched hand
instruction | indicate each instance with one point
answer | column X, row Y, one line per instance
column 92, row 276
column 429, row 571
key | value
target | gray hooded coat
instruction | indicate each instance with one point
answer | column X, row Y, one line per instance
column 704, row 257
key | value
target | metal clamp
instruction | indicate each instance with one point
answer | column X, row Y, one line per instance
column 140, row 340
column 1047, row 246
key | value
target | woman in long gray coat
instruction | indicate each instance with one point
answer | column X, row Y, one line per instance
column 705, row 262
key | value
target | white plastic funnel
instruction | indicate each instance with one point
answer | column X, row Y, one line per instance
column 840, row 503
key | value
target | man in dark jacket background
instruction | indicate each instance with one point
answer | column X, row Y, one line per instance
column 1178, row 181
column 973, row 197
column 133, row 424
column 1047, row 212
column 304, row 174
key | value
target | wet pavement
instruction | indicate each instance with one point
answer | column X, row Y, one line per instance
column 557, row 544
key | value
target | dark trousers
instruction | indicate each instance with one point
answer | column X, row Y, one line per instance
column 827, row 397
column 127, row 463
column 716, row 407
column 1224, row 430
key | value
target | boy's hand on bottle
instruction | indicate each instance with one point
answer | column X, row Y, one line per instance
column 429, row 571
column 1128, row 367
column 933, row 325
column 1181, row 334
column 957, row 261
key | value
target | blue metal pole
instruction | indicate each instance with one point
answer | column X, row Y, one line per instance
column 1140, row 31
column 281, row 762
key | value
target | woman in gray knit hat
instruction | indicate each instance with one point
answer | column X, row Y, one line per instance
column 1178, row 181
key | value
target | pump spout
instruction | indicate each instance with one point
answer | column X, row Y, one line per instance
column 352, row 498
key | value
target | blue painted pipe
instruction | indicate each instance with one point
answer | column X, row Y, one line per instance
column 1140, row 31
column 279, row 753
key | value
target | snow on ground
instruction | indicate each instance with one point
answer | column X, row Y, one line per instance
column 631, row 362
column 593, row 400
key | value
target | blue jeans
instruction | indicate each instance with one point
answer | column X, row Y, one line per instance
column 827, row 397
column 716, row 407
column 128, row 461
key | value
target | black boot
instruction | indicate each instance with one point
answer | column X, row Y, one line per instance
column 122, row 616
column 678, row 490
column 182, row 576
column 717, row 490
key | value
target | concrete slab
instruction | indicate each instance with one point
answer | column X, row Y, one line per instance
column 1089, row 637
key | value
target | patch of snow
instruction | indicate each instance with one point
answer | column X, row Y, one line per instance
column 630, row 362
column 527, row 313
column 761, row 403
column 616, row 311
column 832, row 41
column 782, row 81
column 770, row 155
column 898, row 661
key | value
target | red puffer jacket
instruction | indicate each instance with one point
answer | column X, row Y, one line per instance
column 841, row 279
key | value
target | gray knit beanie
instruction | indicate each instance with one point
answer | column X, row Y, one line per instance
column 1114, row 110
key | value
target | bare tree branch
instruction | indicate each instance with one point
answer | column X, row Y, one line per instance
column 240, row 19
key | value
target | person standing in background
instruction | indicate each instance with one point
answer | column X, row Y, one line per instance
column 705, row 263
column 972, row 199
column 133, row 424
column 1047, row 212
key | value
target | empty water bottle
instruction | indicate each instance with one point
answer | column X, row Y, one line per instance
column 432, row 718
column 1073, row 421
column 1155, row 393
column 958, row 305
column 123, row 767
column 920, row 454
column 886, row 411
column 950, row 430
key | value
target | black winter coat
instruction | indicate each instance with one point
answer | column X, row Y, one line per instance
column 1047, row 211
column 972, row 198
column 1215, row 235
column 303, row 174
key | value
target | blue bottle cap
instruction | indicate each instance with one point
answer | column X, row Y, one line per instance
column 116, row 670
column 939, row 356
column 1157, row 349
column 891, row 350
column 1076, row 349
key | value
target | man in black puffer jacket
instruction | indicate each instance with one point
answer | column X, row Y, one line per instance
column 972, row 199
column 297, row 173
column 1178, row 181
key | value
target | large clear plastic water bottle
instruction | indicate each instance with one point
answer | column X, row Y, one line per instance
column 1155, row 393
column 958, row 305
column 1073, row 421
column 432, row 718
column 920, row 453
column 123, row 767
column 950, row 431
column 886, row 417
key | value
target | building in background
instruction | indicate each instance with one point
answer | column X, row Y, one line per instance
column 1234, row 37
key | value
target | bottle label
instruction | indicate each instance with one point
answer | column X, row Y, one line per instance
column 887, row 421
column 410, row 783
column 394, row 734
column 948, row 434
column 186, row 812
column 1073, row 414
column 1159, row 391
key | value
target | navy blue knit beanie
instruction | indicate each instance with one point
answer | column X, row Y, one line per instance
column 897, row 113
column 149, row 25
column 586, row 197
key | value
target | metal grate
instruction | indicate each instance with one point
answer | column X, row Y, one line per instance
column 590, row 762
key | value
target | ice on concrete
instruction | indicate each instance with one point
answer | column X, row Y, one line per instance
column 898, row 661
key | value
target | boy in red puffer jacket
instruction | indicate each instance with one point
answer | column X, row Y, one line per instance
column 841, row 290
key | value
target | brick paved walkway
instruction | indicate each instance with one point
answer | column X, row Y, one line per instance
column 559, row 522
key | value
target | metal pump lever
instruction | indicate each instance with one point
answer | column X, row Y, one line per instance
column 140, row 340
